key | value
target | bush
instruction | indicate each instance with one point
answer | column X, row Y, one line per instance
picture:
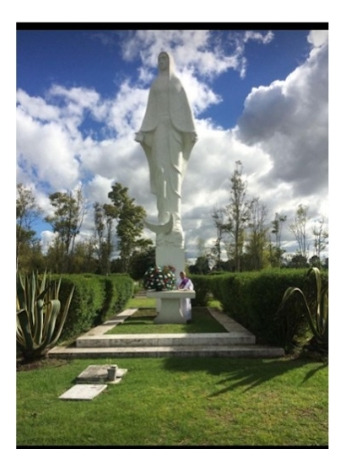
column 202, row 290
column 253, row 299
column 95, row 299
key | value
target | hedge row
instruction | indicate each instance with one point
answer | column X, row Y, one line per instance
column 253, row 299
column 95, row 299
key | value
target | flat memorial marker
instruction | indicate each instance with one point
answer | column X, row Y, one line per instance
column 83, row 392
column 99, row 374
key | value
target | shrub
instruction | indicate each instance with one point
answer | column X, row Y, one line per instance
column 95, row 299
column 253, row 298
column 202, row 290
column 314, row 305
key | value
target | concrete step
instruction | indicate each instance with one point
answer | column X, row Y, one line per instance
column 236, row 342
column 156, row 340
column 244, row 351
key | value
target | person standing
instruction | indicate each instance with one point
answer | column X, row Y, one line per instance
column 186, row 305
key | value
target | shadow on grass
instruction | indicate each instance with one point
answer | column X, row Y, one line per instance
column 244, row 373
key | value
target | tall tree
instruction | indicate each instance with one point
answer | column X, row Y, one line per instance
column 238, row 214
column 277, row 227
column 222, row 227
column 320, row 238
column 298, row 228
column 130, row 223
column 104, row 224
column 27, row 211
column 257, row 237
column 66, row 221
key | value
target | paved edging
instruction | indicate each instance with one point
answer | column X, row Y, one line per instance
column 243, row 351
column 237, row 342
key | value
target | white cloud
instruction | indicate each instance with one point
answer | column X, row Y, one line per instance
column 45, row 151
column 281, row 138
column 318, row 37
column 288, row 119
column 37, row 107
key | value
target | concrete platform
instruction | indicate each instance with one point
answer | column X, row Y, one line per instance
column 236, row 342
column 244, row 351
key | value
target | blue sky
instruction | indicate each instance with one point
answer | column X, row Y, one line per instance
column 258, row 95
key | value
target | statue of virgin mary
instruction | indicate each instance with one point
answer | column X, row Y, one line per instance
column 167, row 136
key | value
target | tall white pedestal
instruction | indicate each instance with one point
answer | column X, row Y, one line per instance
column 170, row 304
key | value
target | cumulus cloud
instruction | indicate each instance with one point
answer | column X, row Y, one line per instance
column 281, row 137
column 288, row 119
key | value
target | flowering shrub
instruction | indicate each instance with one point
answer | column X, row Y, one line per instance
column 157, row 278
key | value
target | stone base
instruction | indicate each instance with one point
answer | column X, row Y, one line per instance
column 167, row 255
column 170, row 305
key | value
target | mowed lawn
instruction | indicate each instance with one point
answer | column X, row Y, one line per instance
column 178, row 402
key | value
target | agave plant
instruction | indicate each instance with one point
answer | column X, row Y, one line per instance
column 40, row 318
column 316, row 309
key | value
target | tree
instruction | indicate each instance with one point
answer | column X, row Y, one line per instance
column 238, row 214
column 320, row 238
column 218, row 216
column 277, row 227
column 130, row 223
column 84, row 259
column 257, row 237
column 142, row 258
column 66, row 222
column 298, row 228
column 104, row 223
column 27, row 211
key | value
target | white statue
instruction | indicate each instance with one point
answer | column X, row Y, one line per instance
column 167, row 136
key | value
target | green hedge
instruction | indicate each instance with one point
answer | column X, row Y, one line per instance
column 253, row 299
column 95, row 299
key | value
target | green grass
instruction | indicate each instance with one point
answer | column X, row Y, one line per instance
column 178, row 402
column 141, row 302
column 142, row 322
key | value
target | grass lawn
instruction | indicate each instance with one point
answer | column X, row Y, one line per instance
column 178, row 402
column 142, row 322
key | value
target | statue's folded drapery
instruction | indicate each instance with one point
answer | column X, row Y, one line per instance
column 167, row 136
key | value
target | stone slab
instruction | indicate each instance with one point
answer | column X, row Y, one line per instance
column 99, row 374
column 170, row 351
column 83, row 392
column 171, row 294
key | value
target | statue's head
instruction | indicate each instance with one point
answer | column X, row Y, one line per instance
column 165, row 62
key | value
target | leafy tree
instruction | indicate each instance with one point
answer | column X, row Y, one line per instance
column 238, row 214
column 277, row 227
column 201, row 266
column 27, row 211
column 55, row 257
column 320, row 238
column 298, row 228
column 222, row 226
column 66, row 222
column 142, row 258
column 130, row 223
column 298, row 261
column 83, row 257
column 257, row 238
column 104, row 223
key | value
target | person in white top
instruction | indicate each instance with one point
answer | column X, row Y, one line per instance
column 186, row 305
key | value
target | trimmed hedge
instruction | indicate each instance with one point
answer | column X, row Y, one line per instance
column 95, row 299
column 253, row 299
